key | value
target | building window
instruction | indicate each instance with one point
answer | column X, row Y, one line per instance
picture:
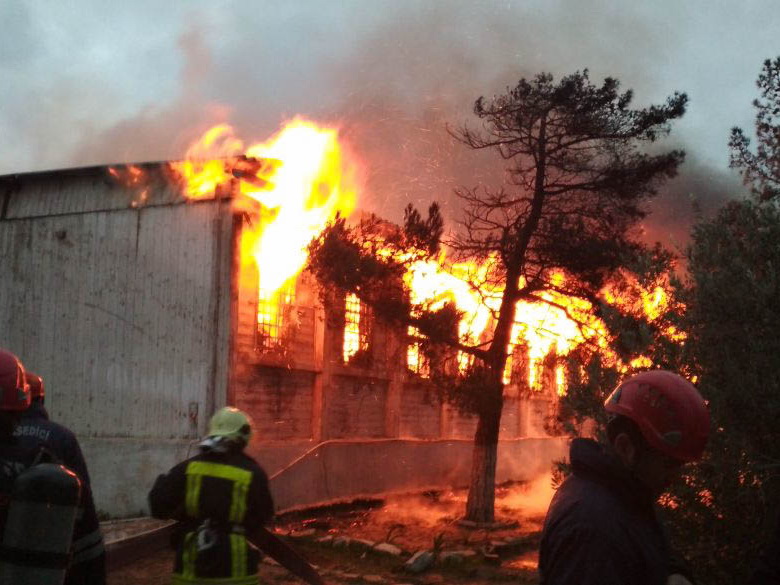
column 357, row 330
column 417, row 359
column 274, row 317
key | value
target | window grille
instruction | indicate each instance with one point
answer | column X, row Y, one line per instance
column 416, row 359
column 357, row 331
column 273, row 316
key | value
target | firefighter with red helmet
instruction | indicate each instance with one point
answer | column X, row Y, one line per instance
column 36, row 431
column 39, row 498
column 14, row 400
column 221, row 499
column 601, row 527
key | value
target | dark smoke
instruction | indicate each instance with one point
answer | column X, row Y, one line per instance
column 696, row 193
column 161, row 132
column 394, row 90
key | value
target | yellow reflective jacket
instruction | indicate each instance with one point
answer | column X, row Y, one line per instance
column 219, row 499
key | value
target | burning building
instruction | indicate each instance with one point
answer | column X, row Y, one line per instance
column 150, row 295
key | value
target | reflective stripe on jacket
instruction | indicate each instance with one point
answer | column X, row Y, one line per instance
column 218, row 498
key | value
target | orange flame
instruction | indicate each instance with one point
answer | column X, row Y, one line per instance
column 300, row 178
column 133, row 177
column 551, row 328
column 208, row 162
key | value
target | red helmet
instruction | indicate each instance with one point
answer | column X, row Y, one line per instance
column 14, row 391
column 35, row 382
column 669, row 411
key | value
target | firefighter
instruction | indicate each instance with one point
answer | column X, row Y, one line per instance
column 14, row 399
column 601, row 526
column 35, row 430
column 221, row 499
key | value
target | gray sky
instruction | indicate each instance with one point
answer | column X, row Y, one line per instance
column 93, row 82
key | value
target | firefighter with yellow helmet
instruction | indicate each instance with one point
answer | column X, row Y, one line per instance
column 221, row 499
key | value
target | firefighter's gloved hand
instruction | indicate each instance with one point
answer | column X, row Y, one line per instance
column 677, row 579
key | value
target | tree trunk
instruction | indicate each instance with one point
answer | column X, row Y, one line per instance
column 482, row 489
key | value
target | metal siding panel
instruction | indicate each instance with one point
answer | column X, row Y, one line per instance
column 84, row 191
column 225, row 257
column 117, row 314
column 177, row 267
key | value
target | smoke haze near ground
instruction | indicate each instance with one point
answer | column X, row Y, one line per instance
column 519, row 501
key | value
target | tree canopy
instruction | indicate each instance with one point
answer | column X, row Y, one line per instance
column 760, row 169
column 577, row 180
column 727, row 306
column 724, row 511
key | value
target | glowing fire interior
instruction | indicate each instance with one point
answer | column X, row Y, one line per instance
column 357, row 323
column 294, row 183
column 541, row 330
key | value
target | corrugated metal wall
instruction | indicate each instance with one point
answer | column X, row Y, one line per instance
column 122, row 310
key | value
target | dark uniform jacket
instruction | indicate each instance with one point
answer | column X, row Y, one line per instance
column 601, row 526
column 88, row 564
column 219, row 499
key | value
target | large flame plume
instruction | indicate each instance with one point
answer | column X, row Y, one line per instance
column 550, row 327
column 300, row 178
column 544, row 331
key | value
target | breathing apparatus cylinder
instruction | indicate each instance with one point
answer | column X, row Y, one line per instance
column 39, row 527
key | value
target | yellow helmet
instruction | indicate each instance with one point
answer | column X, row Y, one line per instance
column 231, row 424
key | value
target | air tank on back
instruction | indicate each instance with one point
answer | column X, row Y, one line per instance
column 39, row 527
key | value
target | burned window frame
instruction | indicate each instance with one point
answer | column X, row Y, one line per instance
column 356, row 343
column 414, row 347
column 278, row 310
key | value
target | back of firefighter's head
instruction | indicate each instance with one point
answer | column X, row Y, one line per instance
column 14, row 392
column 230, row 426
column 35, row 382
column 659, row 422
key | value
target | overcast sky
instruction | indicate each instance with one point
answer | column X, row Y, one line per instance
column 94, row 82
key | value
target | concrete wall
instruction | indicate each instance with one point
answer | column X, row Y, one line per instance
column 421, row 412
column 327, row 430
column 304, row 473
column 341, row 470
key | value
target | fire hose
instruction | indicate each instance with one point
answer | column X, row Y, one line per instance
column 286, row 556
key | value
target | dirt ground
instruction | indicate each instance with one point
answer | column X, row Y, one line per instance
column 428, row 521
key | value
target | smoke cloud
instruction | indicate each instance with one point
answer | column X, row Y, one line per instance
column 392, row 76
